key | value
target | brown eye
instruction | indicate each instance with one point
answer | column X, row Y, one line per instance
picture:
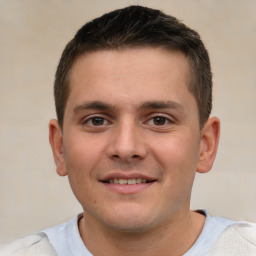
column 159, row 120
column 96, row 121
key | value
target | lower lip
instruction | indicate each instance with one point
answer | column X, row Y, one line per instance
column 128, row 188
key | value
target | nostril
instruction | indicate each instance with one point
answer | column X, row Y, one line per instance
column 116, row 156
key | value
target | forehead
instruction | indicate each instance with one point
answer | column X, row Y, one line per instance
column 136, row 72
column 148, row 52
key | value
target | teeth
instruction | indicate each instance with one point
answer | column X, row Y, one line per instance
column 131, row 181
column 123, row 181
column 138, row 180
column 128, row 181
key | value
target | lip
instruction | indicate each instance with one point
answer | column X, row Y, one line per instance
column 127, row 176
column 127, row 188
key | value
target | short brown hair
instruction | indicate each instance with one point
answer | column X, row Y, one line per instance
column 138, row 26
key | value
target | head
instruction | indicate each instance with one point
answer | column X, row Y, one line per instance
column 133, row 99
column 138, row 27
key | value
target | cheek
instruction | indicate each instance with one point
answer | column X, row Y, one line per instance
column 81, row 159
column 178, row 154
column 82, row 153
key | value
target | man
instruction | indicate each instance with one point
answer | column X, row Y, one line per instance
column 133, row 95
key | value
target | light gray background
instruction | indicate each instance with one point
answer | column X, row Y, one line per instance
column 33, row 35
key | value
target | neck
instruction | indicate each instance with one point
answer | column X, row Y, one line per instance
column 171, row 238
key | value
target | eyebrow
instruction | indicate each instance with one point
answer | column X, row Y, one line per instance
column 162, row 104
column 100, row 105
column 93, row 105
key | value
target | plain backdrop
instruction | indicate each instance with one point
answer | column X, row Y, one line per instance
column 33, row 34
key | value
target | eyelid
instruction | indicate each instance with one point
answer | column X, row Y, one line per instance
column 88, row 118
column 166, row 116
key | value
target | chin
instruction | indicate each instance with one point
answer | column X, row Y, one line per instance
column 130, row 221
column 130, row 226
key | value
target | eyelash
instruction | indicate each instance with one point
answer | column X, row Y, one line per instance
column 102, row 121
column 94, row 118
column 166, row 120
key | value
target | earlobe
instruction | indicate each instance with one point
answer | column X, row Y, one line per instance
column 56, row 141
column 209, row 144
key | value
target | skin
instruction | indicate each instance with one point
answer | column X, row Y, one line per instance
column 130, row 114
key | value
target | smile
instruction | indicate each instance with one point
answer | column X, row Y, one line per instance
column 127, row 184
column 127, row 181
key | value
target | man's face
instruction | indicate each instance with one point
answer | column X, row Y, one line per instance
column 131, row 138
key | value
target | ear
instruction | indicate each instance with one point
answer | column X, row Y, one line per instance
column 209, row 144
column 56, row 141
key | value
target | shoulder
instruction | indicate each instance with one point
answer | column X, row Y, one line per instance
column 246, row 230
column 37, row 244
column 237, row 239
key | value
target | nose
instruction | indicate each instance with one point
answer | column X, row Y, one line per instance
column 127, row 142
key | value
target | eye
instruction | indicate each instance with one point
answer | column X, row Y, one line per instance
column 96, row 121
column 159, row 121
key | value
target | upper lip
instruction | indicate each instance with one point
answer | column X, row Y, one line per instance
column 127, row 176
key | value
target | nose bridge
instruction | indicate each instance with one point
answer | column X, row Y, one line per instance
column 127, row 140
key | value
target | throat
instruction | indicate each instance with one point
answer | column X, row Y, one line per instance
column 162, row 240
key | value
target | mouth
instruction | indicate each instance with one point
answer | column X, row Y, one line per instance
column 127, row 184
column 131, row 181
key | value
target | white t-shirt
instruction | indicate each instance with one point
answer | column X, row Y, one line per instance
column 219, row 237
column 66, row 239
